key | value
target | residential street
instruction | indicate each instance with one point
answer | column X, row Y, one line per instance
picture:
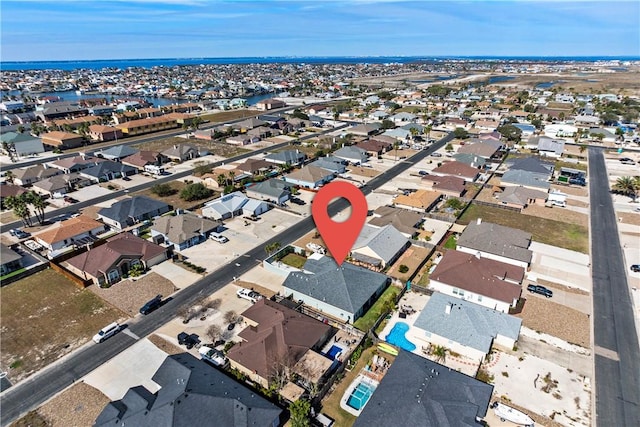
column 29, row 394
column 617, row 361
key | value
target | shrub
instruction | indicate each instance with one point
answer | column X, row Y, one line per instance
column 403, row 269
column 163, row 190
column 195, row 192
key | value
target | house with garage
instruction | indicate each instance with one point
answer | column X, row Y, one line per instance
column 309, row 177
column 286, row 157
column 379, row 247
column 481, row 148
column 439, row 396
column 76, row 163
column 130, row 211
column 365, row 129
column 10, row 260
column 145, row 158
column 232, row 205
column 465, row 327
column 212, row 395
column 398, row 134
column 483, row 281
column 529, row 172
column 374, row 147
column 420, row 201
column 458, row 169
column 343, row 292
column 104, row 133
column 64, row 236
column 31, row 174
column 181, row 152
column 448, row 186
column 494, row 241
column 521, row 197
column 107, row 170
column 276, row 335
column 24, row 144
column 9, row 190
column 116, row 153
column 109, row 262
column 330, row 163
column 351, row 154
column 183, row 230
column 272, row 190
column 546, row 146
column 405, row 221
column 59, row 185
column 255, row 166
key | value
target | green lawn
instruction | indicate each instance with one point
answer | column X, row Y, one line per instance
column 366, row 322
column 294, row 260
column 556, row 233
column 451, row 242
column 13, row 273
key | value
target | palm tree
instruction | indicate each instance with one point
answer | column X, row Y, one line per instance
column 38, row 204
column 20, row 208
column 427, row 130
column 628, row 185
column 232, row 174
column 440, row 352
column 222, row 180
column 9, row 177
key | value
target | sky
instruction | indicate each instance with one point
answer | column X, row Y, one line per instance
column 101, row 29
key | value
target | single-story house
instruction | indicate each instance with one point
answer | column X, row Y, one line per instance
column 290, row 157
column 233, row 204
column 24, row 144
column 379, row 247
column 10, row 260
column 351, row 154
column 116, row 152
column 365, row 129
column 465, row 327
column 127, row 212
column 472, row 160
column 182, row 230
column 345, row 292
column 107, row 170
column 419, row 392
column 270, row 104
column 242, row 139
column 255, row 166
column 521, row 197
column 75, row 163
column 181, row 152
column 67, row 235
column 272, row 190
column 398, row 134
column 8, row 190
column 143, row 158
column 332, row 164
column 104, row 133
column 546, row 146
column 560, row 130
column 374, row 147
column 309, row 177
column 455, row 168
column 494, row 241
column 405, row 221
column 481, row 149
column 212, row 396
column 59, row 185
column 483, row 281
column 109, row 262
column 420, row 201
column 31, row 174
column 276, row 335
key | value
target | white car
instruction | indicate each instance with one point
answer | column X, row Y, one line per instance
column 248, row 294
column 218, row 238
column 107, row 332
column 213, row 356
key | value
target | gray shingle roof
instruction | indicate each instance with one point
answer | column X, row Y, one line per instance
column 7, row 255
column 191, row 394
column 181, row 228
column 469, row 324
column 526, row 178
column 385, row 242
column 418, row 392
column 498, row 240
column 272, row 187
column 117, row 152
column 287, row 156
column 106, row 167
column 134, row 207
column 347, row 287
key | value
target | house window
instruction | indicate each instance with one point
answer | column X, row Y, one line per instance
column 113, row 275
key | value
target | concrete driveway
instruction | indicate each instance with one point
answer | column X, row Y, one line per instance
column 179, row 276
column 134, row 366
column 561, row 266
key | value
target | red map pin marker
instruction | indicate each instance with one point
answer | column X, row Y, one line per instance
column 339, row 236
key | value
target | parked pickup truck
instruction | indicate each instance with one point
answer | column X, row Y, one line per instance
column 537, row 289
column 213, row 356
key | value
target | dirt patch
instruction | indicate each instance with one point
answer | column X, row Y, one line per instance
column 78, row 406
column 217, row 148
column 44, row 317
column 129, row 295
column 571, row 190
column 165, row 345
column 556, row 319
column 629, row 218
column 558, row 214
column 567, row 289
column 366, row 172
column 7, row 216
column 412, row 258
column 174, row 199
column 226, row 116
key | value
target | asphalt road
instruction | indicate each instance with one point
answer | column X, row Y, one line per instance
column 74, row 208
column 34, row 391
column 617, row 354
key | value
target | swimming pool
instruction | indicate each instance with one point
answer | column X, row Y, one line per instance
column 396, row 337
column 360, row 395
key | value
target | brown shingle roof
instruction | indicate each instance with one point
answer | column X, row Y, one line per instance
column 280, row 333
column 481, row 276
column 65, row 229
column 446, row 183
column 421, row 199
column 456, row 169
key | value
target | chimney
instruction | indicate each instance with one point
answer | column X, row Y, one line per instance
column 479, row 221
column 447, row 308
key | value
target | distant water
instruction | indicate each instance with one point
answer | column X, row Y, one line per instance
column 157, row 102
column 171, row 62
column 545, row 85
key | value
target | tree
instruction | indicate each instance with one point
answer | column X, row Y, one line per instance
column 230, row 316
column 396, row 145
column 629, row 186
column 440, row 352
column 214, row 332
column 299, row 115
column 582, row 148
column 448, row 147
column 427, row 131
column 388, row 124
column 300, row 410
column 232, row 174
column 272, row 247
column 9, row 176
column 38, row 204
column 222, row 180
column 163, row 190
column 196, row 122
column 20, row 208
column 510, row 132
column 460, row 133
column 196, row 191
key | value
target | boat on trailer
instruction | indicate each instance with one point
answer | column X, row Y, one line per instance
column 507, row 413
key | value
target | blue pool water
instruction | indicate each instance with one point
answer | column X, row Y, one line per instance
column 331, row 354
column 396, row 337
column 360, row 396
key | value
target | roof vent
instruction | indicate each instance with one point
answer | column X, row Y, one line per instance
column 447, row 310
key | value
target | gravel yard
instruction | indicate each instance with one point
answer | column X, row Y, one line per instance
column 557, row 214
column 555, row 319
column 78, row 406
column 129, row 295
column 165, row 345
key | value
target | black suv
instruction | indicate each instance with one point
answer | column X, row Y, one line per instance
column 635, row 268
column 189, row 340
column 151, row 305
column 537, row 289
